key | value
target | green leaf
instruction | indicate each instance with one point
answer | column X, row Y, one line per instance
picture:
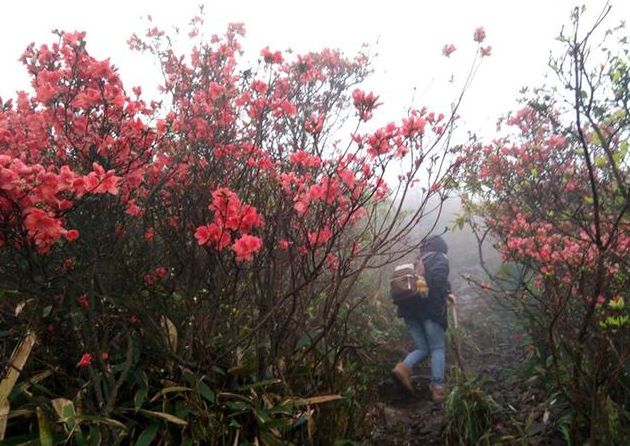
column 147, row 435
column 101, row 420
column 174, row 389
column 205, row 391
column 95, row 436
column 237, row 406
column 282, row 409
column 45, row 435
column 617, row 304
column 167, row 390
column 264, row 383
column 164, row 416
column 261, row 416
column 269, row 439
column 600, row 161
column 218, row 370
column 20, row 440
column 140, row 397
column 46, row 311
column 275, row 424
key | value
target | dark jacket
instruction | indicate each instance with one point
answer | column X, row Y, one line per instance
column 436, row 270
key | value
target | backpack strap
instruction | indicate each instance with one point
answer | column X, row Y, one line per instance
column 419, row 262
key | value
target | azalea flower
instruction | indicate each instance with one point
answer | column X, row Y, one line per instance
column 480, row 34
column 448, row 49
column 85, row 360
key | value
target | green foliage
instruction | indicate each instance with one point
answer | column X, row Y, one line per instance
column 162, row 401
column 192, row 414
column 468, row 413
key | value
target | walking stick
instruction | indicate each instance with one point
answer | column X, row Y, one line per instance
column 452, row 300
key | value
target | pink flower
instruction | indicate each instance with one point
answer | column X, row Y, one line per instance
column 333, row 261
column 83, row 301
column 148, row 236
column 288, row 108
column 245, row 246
column 448, row 49
column 271, row 57
column 364, row 103
column 202, row 234
column 480, row 34
column 133, row 209
column 485, row 51
column 85, row 360
column 161, row 272
column 72, row 235
column 315, row 124
column 213, row 233
column 43, row 228
column 319, row 237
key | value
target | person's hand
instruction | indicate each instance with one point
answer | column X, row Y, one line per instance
column 422, row 286
column 451, row 298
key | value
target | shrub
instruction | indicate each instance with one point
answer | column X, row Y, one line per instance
column 188, row 267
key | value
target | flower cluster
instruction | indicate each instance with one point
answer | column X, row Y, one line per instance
column 231, row 217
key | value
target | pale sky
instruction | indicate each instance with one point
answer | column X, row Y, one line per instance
column 410, row 37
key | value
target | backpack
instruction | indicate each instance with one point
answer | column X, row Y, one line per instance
column 405, row 280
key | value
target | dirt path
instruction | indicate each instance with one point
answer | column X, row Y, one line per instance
column 489, row 351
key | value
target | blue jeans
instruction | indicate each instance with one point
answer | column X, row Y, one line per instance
column 429, row 339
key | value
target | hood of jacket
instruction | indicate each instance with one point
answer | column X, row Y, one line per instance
column 434, row 243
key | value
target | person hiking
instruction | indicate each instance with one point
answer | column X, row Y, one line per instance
column 426, row 318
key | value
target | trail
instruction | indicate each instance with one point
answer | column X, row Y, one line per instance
column 490, row 350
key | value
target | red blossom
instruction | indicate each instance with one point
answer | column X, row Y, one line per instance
column 246, row 246
column 149, row 234
column 413, row 126
column 314, row 124
column 303, row 158
column 333, row 261
column 365, row 103
column 230, row 215
column 480, row 34
column 85, row 360
column 67, row 264
column 271, row 57
column 448, row 49
column 72, row 235
column 319, row 237
column 83, row 301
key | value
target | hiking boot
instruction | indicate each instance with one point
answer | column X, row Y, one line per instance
column 402, row 373
column 437, row 392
